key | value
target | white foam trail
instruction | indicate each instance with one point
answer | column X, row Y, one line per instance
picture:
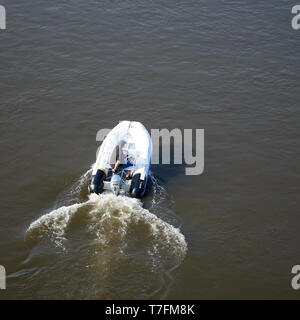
column 120, row 215
column 53, row 224
column 110, row 218
column 117, row 232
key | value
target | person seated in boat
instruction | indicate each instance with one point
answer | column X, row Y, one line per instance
column 120, row 159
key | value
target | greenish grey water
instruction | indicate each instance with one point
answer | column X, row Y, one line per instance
column 70, row 68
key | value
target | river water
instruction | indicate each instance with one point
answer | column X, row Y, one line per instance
column 71, row 68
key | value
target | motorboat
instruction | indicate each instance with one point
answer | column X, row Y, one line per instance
column 123, row 161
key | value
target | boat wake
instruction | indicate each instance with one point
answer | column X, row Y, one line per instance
column 122, row 250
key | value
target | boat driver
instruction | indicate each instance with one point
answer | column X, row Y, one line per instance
column 120, row 159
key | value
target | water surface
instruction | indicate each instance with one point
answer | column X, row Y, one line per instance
column 70, row 68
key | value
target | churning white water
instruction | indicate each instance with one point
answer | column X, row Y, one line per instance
column 123, row 235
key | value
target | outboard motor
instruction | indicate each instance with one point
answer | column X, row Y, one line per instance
column 115, row 184
column 96, row 182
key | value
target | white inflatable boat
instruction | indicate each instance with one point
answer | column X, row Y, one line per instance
column 123, row 161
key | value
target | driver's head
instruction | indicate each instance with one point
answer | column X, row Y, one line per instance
column 123, row 144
